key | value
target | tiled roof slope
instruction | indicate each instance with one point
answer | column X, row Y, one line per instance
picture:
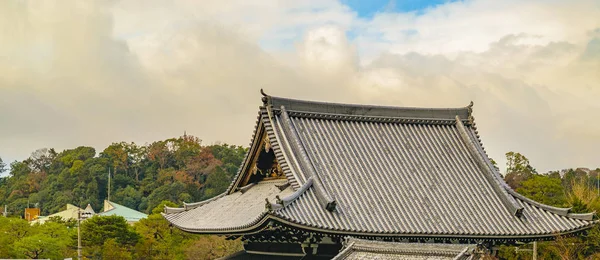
column 236, row 211
column 368, row 249
column 421, row 173
column 389, row 171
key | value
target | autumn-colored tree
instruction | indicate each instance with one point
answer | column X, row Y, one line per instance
column 211, row 247
column 159, row 152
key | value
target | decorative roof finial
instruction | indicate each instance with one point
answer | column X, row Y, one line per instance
column 470, row 111
column 265, row 98
column 268, row 205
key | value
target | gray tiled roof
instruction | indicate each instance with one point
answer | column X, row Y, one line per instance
column 232, row 212
column 368, row 249
column 389, row 171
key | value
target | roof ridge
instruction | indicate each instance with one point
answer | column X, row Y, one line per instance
column 297, row 105
column 282, row 203
column 556, row 210
column 305, row 164
column 508, row 201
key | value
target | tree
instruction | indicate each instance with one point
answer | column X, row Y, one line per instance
column 38, row 246
column 544, row 189
column 517, row 169
column 137, row 155
column 211, row 247
column 97, row 229
column 112, row 250
column 216, row 183
column 159, row 152
column 117, row 154
column 41, row 159
column 2, row 166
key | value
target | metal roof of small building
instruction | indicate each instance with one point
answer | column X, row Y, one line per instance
column 369, row 249
column 385, row 171
column 131, row 215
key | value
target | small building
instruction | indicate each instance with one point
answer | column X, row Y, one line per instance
column 71, row 212
column 31, row 214
column 317, row 173
column 131, row 215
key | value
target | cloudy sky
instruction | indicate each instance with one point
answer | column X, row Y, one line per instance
column 94, row 72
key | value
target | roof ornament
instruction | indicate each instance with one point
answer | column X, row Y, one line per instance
column 268, row 205
column 470, row 111
column 265, row 97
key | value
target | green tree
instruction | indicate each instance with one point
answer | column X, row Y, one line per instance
column 97, row 229
column 518, row 169
column 2, row 166
column 113, row 250
column 216, row 183
column 544, row 189
column 117, row 154
column 38, row 246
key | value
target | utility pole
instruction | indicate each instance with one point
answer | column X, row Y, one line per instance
column 5, row 211
column 79, row 232
column 533, row 251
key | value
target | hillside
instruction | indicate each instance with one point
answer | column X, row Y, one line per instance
column 177, row 169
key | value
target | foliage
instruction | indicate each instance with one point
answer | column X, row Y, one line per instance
column 574, row 188
column 210, row 247
column 544, row 189
column 144, row 177
column 177, row 169
column 20, row 240
column 97, row 229
column 113, row 250
column 2, row 166
column 518, row 169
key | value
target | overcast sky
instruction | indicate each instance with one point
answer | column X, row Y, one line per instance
column 95, row 72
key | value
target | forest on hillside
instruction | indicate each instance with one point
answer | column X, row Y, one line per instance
column 177, row 170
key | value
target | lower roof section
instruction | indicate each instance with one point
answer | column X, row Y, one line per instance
column 369, row 249
column 362, row 216
column 236, row 211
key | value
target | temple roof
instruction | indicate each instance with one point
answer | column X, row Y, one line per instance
column 378, row 171
column 369, row 249
column 235, row 211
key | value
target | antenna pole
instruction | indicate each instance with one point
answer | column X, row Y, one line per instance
column 108, row 184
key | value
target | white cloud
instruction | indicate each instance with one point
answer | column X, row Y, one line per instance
column 88, row 73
